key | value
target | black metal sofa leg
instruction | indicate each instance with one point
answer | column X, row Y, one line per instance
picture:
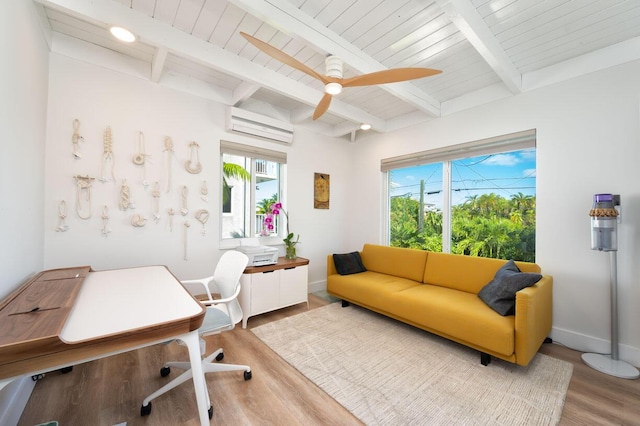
column 485, row 359
column 345, row 304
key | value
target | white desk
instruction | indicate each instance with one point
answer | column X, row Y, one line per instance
column 114, row 311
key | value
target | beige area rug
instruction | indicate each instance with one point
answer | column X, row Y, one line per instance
column 388, row 373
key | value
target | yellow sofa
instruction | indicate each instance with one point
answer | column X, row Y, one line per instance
column 438, row 292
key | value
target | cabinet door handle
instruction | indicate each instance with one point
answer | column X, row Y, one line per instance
column 292, row 267
column 268, row 272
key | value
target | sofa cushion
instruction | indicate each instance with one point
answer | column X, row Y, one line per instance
column 399, row 262
column 500, row 293
column 455, row 314
column 466, row 273
column 369, row 289
column 348, row 263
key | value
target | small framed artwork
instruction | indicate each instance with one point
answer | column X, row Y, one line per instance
column 321, row 186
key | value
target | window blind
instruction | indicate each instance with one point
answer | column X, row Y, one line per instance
column 511, row 142
column 251, row 151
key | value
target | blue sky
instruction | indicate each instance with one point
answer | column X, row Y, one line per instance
column 504, row 174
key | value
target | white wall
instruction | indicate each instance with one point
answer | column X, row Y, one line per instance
column 23, row 81
column 23, row 76
column 98, row 97
column 587, row 143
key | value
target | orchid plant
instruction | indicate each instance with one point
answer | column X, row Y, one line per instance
column 269, row 226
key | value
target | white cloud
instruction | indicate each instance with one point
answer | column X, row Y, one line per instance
column 502, row 160
column 529, row 173
column 528, row 154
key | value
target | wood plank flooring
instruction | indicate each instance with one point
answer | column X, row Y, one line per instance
column 110, row 391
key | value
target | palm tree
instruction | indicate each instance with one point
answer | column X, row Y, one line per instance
column 264, row 206
column 232, row 171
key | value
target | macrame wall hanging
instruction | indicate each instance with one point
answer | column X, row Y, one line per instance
column 125, row 197
column 105, row 221
column 193, row 168
column 186, row 235
column 76, row 138
column 156, row 201
column 185, row 193
column 204, row 191
column 171, row 212
column 83, row 196
column 138, row 221
column 139, row 159
column 202, row 216
column 168, row 154
column 107, row 155
column 62, row 215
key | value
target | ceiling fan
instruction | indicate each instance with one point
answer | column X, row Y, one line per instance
column 333, row 81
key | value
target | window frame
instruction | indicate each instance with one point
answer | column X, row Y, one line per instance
column 506, row 143
column 252, row 153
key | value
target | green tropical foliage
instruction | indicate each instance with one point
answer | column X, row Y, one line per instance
column 229, row 171
column 486, row 225
column 264, row 206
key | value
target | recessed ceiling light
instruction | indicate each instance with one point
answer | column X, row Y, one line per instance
column 365, row 126
column 122, row 34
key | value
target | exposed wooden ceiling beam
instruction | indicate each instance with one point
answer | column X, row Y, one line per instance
column 610, row 56
column 465, row 16
column 157, row 65
column 243, row 92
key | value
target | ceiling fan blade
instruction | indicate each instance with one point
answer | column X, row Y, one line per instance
column 389, row 76
column 283, row 57
column 323, row 106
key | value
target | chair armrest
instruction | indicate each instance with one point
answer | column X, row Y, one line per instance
column 533, row 319
column 211, row 301
column 193, row 286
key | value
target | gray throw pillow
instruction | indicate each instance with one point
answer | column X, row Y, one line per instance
column 500, row 292
column 348, row 263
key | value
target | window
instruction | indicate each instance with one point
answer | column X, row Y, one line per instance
column 475, row 199
column 252, row 179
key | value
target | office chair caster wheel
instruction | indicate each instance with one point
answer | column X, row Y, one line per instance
column 165, row 371
column 66, row 370
column 210, row 412
column 37, row 377
column 247, row 375
column 220, row 356
column 145, row 410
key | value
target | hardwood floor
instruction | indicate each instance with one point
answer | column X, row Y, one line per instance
column 110, row 391
column 594, row 398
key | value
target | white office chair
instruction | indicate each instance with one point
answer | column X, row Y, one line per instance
column 221, row 315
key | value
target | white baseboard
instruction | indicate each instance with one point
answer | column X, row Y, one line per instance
column 13, row 399
column 584, row 343
column 317, row 286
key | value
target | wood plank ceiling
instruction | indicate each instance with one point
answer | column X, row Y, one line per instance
column 487, row 50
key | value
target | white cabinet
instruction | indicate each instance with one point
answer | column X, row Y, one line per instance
column 267, row 288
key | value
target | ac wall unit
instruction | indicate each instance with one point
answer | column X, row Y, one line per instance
column 250, row 123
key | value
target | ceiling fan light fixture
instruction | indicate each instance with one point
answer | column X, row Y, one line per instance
column 333, row 66
column 122, row 34
column 365, row 126
column 333, row 88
